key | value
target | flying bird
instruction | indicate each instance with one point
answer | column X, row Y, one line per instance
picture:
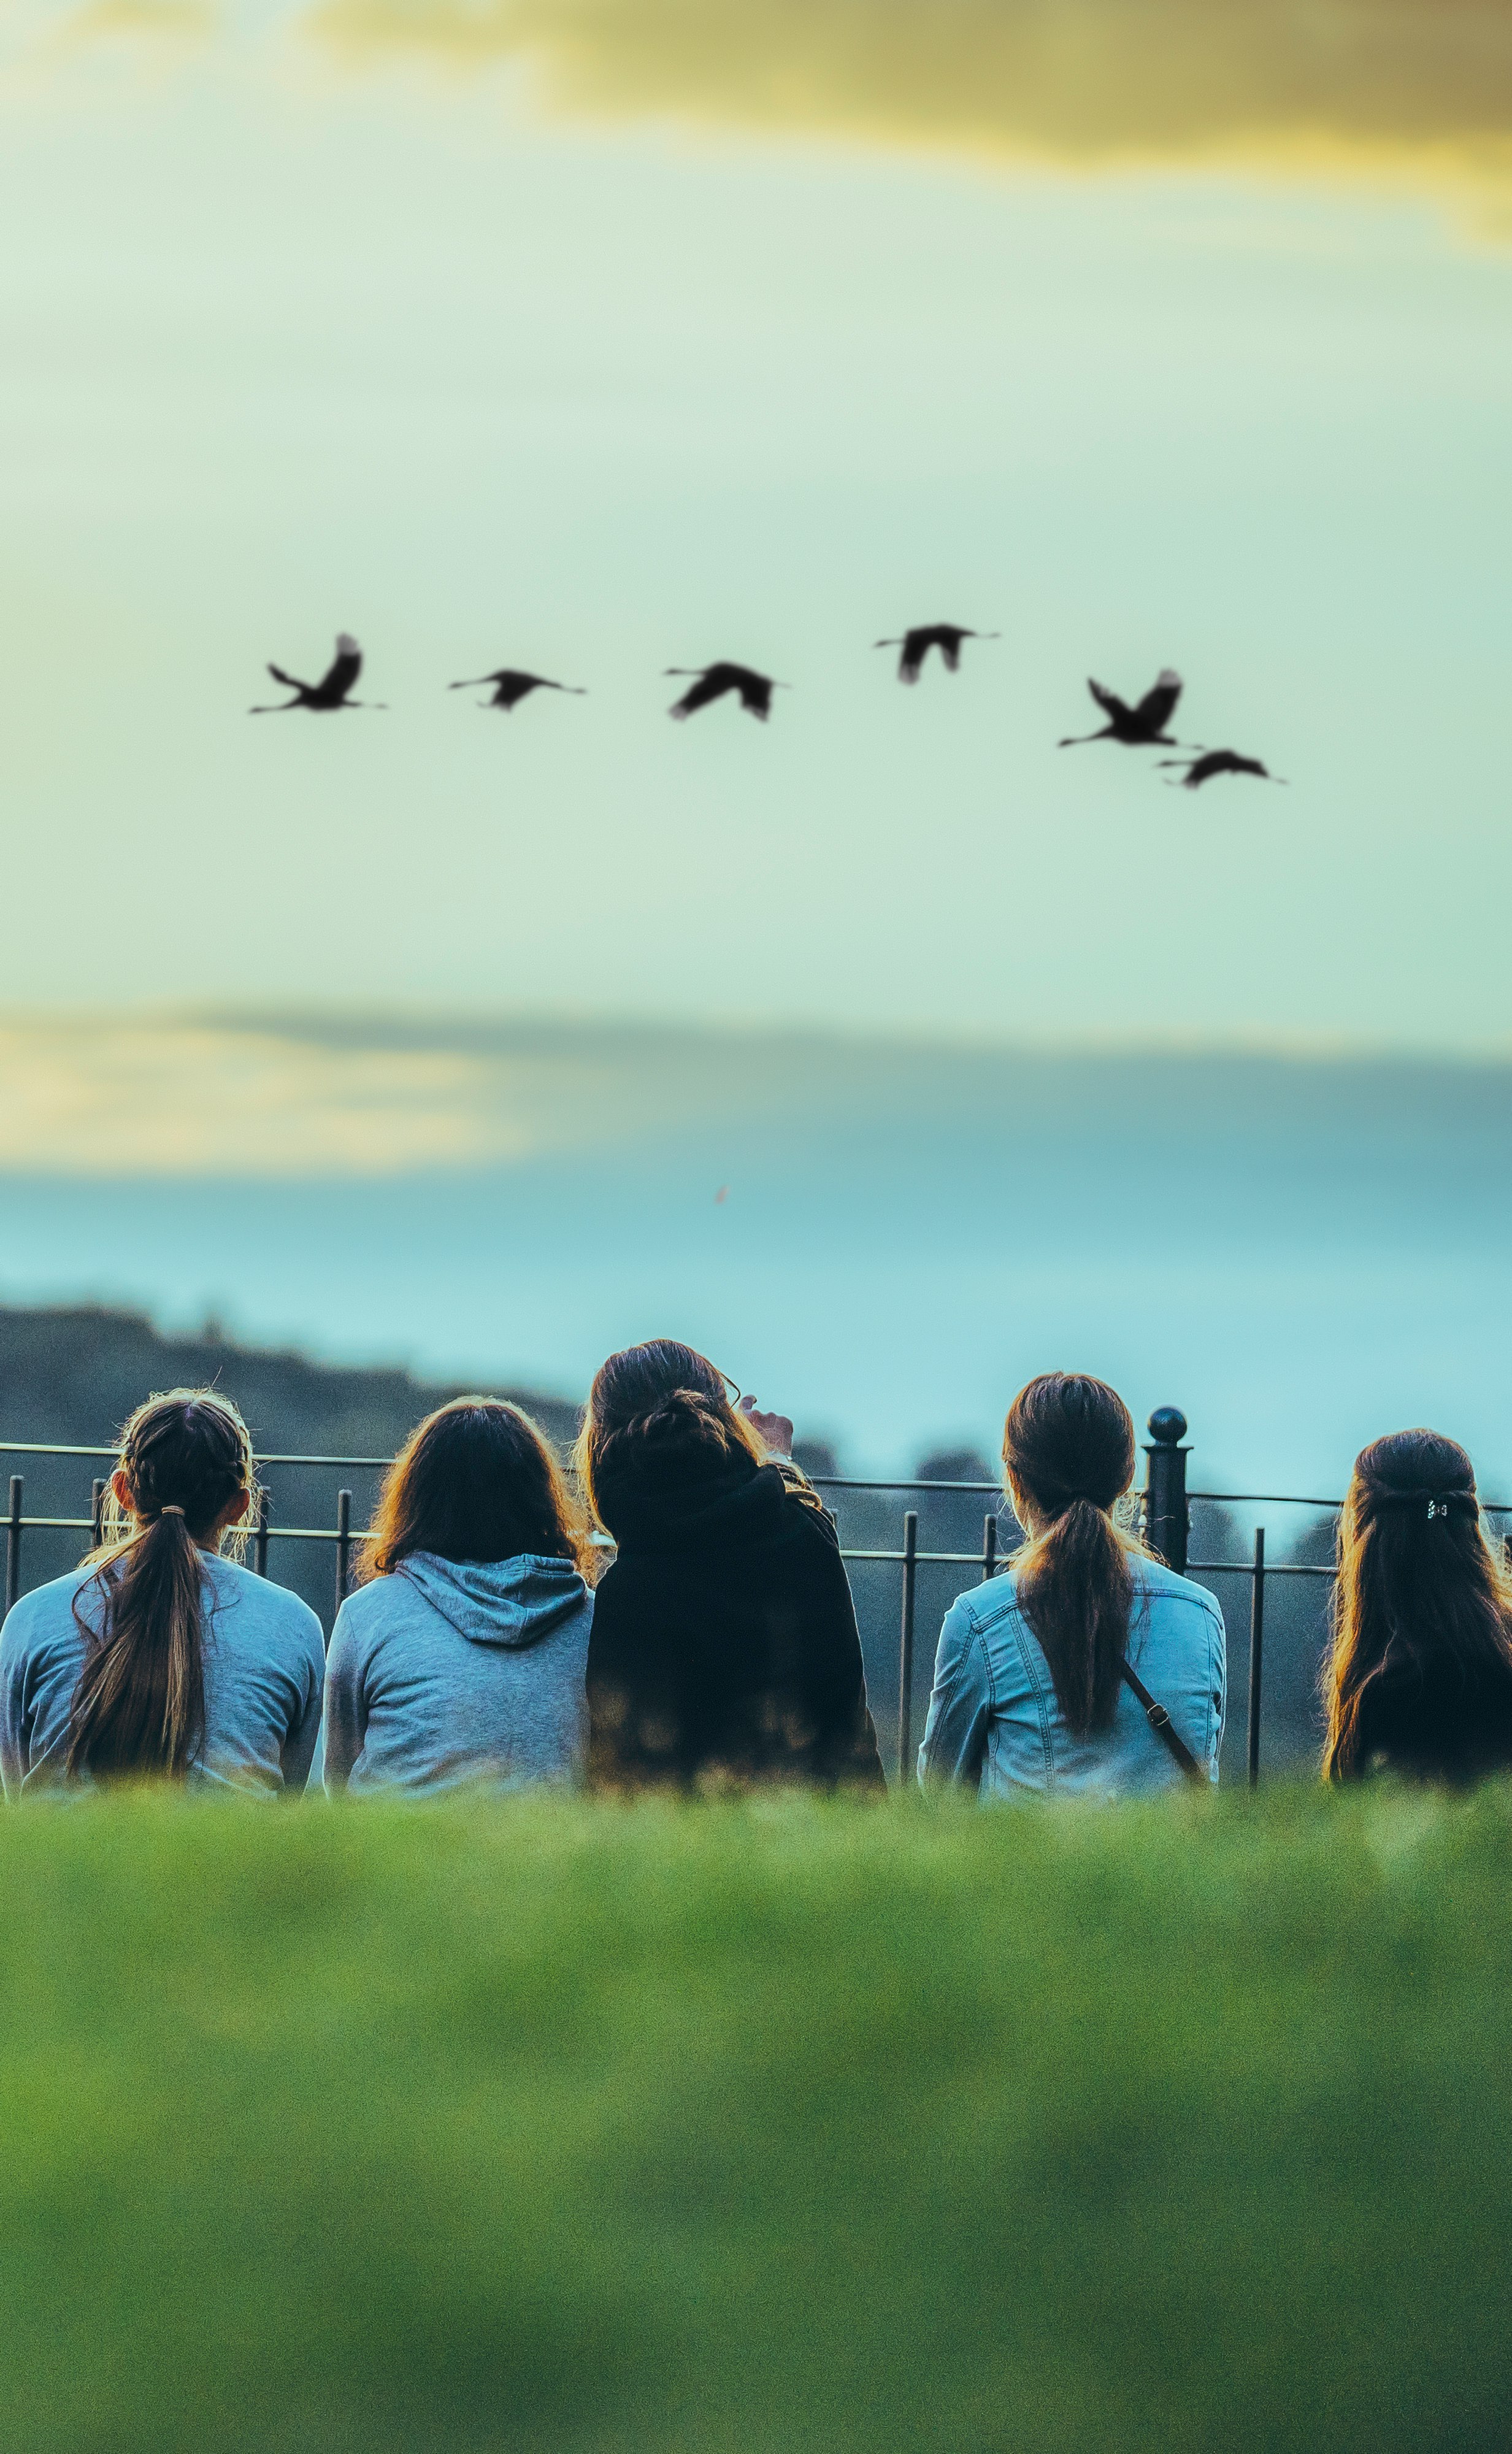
column 509, row 687
column 1219, row 762
column 713, row 681
column 331, row 692
column 1138, row 727
column 916, row 644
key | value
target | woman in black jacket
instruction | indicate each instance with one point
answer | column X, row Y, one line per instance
column 724, row 1644
column 1419, row 1679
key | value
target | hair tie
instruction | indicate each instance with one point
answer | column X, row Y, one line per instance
column 170, row 1508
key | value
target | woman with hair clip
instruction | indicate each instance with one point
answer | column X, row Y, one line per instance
column 724, row 1645
column 461, row 1656
column 159, row 1655
column 1418, row 1675
column 1089, row 1668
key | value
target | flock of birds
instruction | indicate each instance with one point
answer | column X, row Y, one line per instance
column 1142, row 724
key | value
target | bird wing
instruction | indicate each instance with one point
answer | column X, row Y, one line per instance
column 1157, row 706
column 289, row 681
column 950, row 649
column 914, row 648
column 1111, row 704
column 708, row 687
column 340, row 679
column 756, row 693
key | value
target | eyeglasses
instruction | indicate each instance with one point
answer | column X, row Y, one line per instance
column 734, row 1387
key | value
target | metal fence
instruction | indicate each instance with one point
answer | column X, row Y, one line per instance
column 1165, row 1505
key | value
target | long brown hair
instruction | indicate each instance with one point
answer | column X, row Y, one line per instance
column 652, row 1408
column 476, row 1480
column 1418, row 1582
column 139, row 1705
column 1068, row 1448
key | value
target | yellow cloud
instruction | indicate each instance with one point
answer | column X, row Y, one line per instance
column 1083, row 81
column 170, row 1094
column 171, row 21
column 163, row 1097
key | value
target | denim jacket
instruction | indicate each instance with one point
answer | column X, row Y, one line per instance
column 993, row 1720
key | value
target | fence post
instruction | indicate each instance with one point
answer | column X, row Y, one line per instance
column 13, row 1543
column 343, row 1543
column 97, row 1514
column 1166, row 1517
column 988, row 1545
column 260, row 1539
column 905, row 1651
column 1256, row 1643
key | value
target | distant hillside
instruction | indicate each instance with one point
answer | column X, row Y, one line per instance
column 74, row 1374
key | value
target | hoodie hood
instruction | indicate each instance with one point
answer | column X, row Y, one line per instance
column 684, row 1506
column 510, row 1603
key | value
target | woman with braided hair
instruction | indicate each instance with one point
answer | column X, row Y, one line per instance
column 1090, row 1667
column 724, row 1647
column 161, row 1656
column 1419, row 1674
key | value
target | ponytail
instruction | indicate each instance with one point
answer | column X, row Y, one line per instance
column 1068, row 1447
column 139, row 1704
column 1075, row 1590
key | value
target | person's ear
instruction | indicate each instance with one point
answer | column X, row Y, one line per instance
column 122, row 1489
column 236, row 1509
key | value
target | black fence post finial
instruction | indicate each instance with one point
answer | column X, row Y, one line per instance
column 1166, row 1514
column 343, row 1547
column 14, row 1544
column 905, row 1651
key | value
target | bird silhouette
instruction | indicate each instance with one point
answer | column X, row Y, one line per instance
column 334, row 689
column 1219, row 762
column 916, row 644
column 1136, row 727
column 509, row 687
column 713, row 681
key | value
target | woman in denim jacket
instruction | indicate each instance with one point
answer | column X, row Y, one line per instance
column 1032, row 1695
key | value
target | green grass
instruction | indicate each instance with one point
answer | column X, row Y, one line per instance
column 757, row 2128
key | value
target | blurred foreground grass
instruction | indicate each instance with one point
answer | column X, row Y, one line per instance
column 756, row 2128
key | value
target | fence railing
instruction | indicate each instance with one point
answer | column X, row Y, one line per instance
column 1165, row 1517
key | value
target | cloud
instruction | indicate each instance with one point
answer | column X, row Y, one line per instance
column 227, row 1096
column 1080, row 81
column 137, row 1096
column 137, row 20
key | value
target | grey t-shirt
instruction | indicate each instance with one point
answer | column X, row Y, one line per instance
column 265, row 1667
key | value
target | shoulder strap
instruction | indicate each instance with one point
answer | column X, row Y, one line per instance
column 1160, row 1721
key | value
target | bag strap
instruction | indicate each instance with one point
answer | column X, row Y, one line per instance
column 1160, row 1721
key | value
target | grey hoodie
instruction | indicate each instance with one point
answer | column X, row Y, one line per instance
column 450, row 1671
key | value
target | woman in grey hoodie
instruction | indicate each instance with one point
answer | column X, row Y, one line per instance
column 461, row 1656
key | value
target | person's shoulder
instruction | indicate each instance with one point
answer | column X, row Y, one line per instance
column 1163, row 1584
column 45, row 1611
column 804, row 1512
column 376, row 1599
column 271, row 1606
column 989, row 1604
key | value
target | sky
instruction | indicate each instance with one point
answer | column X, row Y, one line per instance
column 601, row 339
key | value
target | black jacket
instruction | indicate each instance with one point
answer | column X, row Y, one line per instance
column 1437, row 1723
column 724, row 1635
